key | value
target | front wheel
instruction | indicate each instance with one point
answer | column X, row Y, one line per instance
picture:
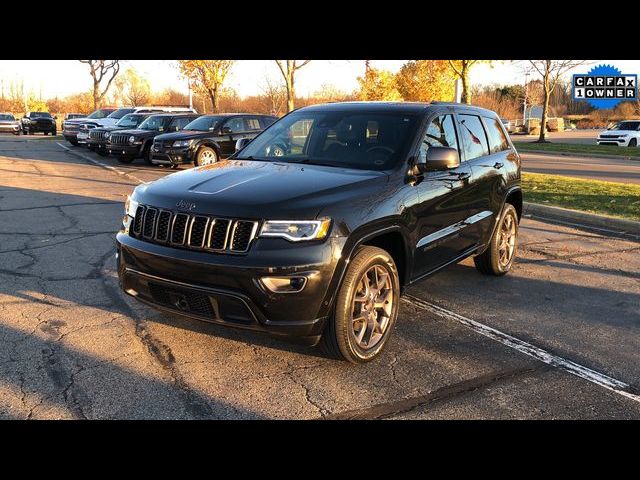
column 366, row 307
column 498, row 258
column 206, row 156
column 101, row 152
column 633, row 142
column 126, row 159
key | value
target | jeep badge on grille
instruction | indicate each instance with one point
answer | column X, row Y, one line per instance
column 184, row 205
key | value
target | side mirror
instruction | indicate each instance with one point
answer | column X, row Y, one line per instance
column 226, row 131
column 240, row 144
column 440, row 158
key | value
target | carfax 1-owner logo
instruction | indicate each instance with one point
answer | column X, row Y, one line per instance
column 605, row 86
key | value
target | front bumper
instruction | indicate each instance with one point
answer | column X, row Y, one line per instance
column 171, row 156
column 226, row 288
column 124, row 150
column 34, row 127
column 622, row 142
column 9, row 128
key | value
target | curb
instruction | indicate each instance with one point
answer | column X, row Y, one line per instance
column 599, row 222
column 578, row 155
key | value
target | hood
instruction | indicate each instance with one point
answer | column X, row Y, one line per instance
column 139, row 133
column 619, row 132
column 242, row 189
column 101, row 122
column 184, row 135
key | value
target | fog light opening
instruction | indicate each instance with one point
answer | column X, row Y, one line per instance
column 284, row 284
column 132, row 292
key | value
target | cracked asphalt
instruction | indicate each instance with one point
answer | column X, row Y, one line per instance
column 73, row 347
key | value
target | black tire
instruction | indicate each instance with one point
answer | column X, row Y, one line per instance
column 202, row 153
column 489, row 262
column 18, row 132
column 102, row 152
column 74, row 143
column 338, row 340
column 125, row 159
column 54, row 132
column 633, row 142
column 26, row 131
column 147, row 157
column 45, row 133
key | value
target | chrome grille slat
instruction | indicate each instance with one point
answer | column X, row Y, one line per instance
column 218, row 234
column 149, row 227
column 198, row 232
column 118, row 139
column 179, row 228
column 164, row 226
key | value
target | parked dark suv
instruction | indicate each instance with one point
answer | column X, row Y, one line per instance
column 207, row 139
column 127, row 145
column 98, row 137
column 43, row 122
column 315, row 227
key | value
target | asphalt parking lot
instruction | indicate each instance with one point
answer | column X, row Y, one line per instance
column 466, row 346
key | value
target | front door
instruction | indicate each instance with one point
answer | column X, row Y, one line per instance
column 232, row 130
column 443, row 202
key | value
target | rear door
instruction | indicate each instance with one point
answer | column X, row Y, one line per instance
column 444, row 200
column 488, row 182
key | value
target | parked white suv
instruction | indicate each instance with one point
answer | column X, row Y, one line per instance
column 624, row 134
column 113, row 117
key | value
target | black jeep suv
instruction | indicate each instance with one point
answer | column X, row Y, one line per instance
column 98, row 137
column 314, row 228
column 207, row 139
column 127, row 145
column 43, row 122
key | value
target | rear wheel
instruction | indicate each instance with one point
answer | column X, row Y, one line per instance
column 633, row 142
column 498, row 258
column 206, row 156
column 366, row 307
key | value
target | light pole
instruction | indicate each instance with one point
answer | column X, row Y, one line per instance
column 190, row 95
column 526, row 89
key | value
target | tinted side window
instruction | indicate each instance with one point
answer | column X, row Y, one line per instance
column 474, row 139
column 497, row 140
column 441, row 132
column 266, row 121
column 180, row 122
column 235, row 124
column 253, row 124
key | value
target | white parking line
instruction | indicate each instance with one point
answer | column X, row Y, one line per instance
column 100, row 164
column 581, row 371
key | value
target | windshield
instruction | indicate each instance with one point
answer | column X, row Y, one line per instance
column 100, row 113
column 626, row 126
column 130, row 120
column 75, row 115
column 6, row 116
column 204, row 124
column 121, row 112
column 156, row 122
column 39, row 115
column 361, row 140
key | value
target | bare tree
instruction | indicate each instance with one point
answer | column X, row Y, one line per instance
column 288, row 68
column 551, row 71
column 102, row 70
column 275, row 96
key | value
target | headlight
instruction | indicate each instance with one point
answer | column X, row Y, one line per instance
column 130, row 206
column 182, row 143
column 296, row 231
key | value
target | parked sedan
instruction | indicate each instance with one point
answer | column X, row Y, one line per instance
column 9, row 124
column 623, row 134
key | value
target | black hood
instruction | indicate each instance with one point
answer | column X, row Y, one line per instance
column 184, row 135
column 245, row 189
column 140, row 133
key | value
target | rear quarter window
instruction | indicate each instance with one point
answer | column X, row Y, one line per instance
column 497, row 139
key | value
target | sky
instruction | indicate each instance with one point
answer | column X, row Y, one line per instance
column 64, row 77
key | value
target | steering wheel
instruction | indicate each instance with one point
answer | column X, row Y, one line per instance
column 380, row 147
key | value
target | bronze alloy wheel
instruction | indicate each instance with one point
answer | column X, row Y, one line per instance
column 507, row 240
column 366, row 307
column 372, row 307
column 207, row 156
